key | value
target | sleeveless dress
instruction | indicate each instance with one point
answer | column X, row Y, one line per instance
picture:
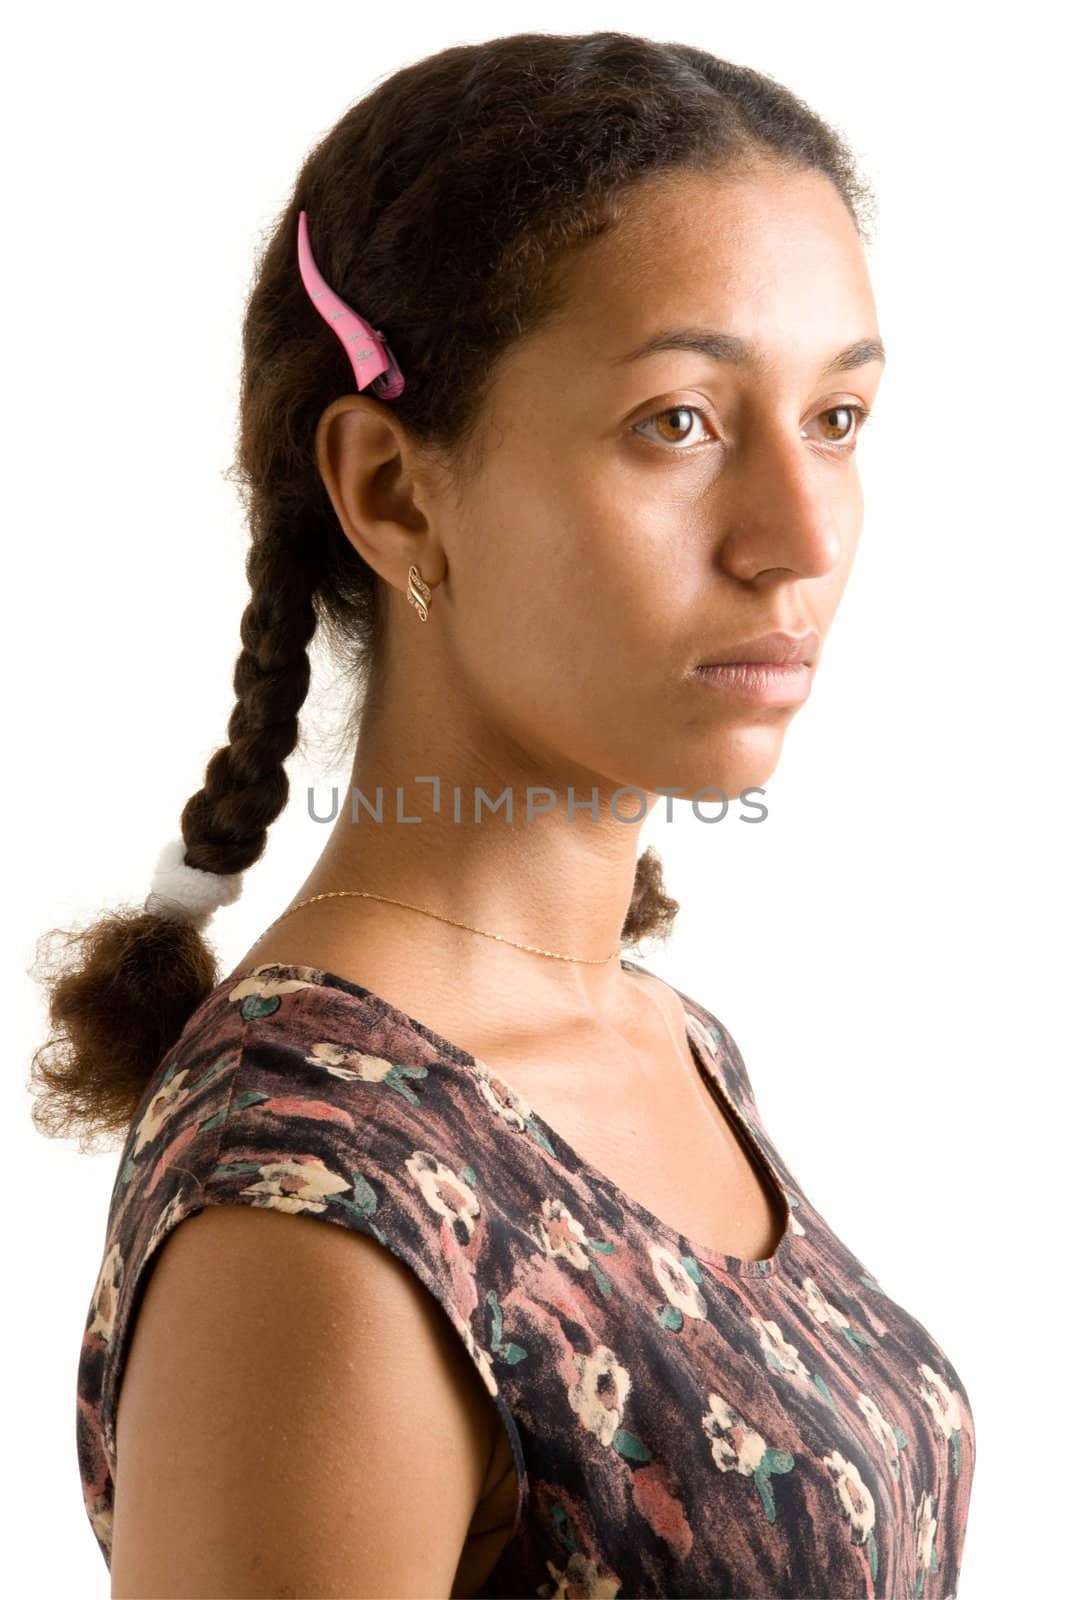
column 683, row 1422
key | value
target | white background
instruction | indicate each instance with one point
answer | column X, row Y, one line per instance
column 886, row 949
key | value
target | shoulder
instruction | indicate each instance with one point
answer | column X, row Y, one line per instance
column 285, row 1097
column 314, row 1356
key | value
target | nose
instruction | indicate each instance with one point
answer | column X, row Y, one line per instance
column 786, row 508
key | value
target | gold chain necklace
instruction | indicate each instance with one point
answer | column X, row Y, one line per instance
column 592, row 961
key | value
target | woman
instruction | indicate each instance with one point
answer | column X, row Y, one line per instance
column 577, row 536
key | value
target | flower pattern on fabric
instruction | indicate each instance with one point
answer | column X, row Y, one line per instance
column 681, row 1421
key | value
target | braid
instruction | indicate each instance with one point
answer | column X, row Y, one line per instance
column 245, row 784
column 121, row 990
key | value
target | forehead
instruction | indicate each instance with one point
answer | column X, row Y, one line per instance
column 769, row 255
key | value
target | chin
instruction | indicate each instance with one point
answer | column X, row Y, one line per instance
column 747, row 760
column 729, row 760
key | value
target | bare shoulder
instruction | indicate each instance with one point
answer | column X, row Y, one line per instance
column 292, row 1395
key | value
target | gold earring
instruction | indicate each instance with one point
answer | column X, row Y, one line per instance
column 419, row 594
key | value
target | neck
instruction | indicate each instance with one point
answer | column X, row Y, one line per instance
column 561, row 882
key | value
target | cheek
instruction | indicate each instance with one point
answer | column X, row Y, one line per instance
column 575, row 582
column 850, row 522
column 546, row 655
column 522, row 617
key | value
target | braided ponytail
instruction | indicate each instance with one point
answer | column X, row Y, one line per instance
column 443, row 222
column 225, row 823
column 122, row 989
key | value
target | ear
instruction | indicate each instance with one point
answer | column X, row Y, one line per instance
column 380, row 487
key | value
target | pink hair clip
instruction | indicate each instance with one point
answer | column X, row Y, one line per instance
column 372, row 360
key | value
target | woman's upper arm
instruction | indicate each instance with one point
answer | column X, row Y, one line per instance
column 297, row 1417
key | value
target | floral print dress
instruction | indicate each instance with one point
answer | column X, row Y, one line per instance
column 683, row 1422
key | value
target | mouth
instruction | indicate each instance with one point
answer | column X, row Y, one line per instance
column 779, row 649
column 774, row 683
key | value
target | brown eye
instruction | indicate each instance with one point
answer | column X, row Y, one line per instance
column 845, row 422
column 673, row 425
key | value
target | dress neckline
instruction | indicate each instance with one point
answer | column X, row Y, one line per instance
column 735, row 1266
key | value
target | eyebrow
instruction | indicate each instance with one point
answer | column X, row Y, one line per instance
column 740, row 352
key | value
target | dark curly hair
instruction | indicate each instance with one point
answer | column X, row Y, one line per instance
column 442, row 203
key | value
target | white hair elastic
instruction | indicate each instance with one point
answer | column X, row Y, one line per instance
column 188, row 894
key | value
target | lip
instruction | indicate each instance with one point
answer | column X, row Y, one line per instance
column 768, row 683
column 770, row 649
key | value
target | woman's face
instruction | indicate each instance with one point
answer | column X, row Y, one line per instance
column 635, row 516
